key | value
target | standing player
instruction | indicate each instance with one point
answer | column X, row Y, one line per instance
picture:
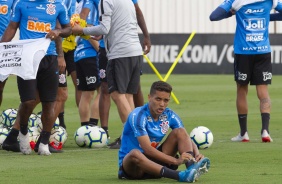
column 105, row 102
column 87, row 69
column 38, row 23
column 65, row 61
column 119, row 25
column 142, row 156
column 252, row 61
column 5, row 15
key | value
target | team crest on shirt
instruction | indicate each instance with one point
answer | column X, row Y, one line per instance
column 163, row 117
column 164, row 127
column 102, row 73
column 51, row 9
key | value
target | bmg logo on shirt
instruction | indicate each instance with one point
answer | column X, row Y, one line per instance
column 40, row 27
column 254, row 24
column 3, row 9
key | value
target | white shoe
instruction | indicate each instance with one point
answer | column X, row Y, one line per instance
column 239, row 138
column 24, row 144
column 43, row 149
column 265, row 137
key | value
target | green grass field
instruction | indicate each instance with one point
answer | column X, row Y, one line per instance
column 207, row 100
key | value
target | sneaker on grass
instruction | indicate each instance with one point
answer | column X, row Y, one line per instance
column 24, row 144
column 239, row 138
column 265, row 137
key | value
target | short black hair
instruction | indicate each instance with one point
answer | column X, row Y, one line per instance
column 160, row 86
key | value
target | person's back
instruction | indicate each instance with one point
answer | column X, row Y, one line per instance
column 122, row 39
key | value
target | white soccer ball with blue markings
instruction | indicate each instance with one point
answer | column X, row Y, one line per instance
column 202, row 137
column 40, row 124
column 33, row 120
column 3, row 135
column 79, row 135
column 96, row 137
column 58, row 137
column 8, row 117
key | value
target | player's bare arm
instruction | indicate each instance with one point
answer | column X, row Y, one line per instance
column 65, row 31
column 143, row 27
column 59, row 50
column 10, row 31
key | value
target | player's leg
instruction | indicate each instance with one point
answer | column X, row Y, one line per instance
column 105, row 98
column 27, row 90
column 179, row 141
column 136, row 165
column 242, row 76
column 71, row 69
column 47, row 84
column 87, row 74
column 11, row 142
column 262, row 77
column 94, row 114
column 138, row 98
column 2, row 85
column 62, row 96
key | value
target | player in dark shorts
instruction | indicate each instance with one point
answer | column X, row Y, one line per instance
column 46, row 82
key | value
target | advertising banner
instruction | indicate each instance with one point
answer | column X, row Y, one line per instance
column 206, row 53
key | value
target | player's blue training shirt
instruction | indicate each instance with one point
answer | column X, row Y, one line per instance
column 84, row 48
column 140, row 123
column 70, row 5
column 252, row 17
column 37, row 18
column 5, row 14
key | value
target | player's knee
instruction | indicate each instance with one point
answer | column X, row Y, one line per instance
column 135, row 155
column 62, row 94
column 178, row 132
column 28, row 105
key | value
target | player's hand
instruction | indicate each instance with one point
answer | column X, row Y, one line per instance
column 53, row 34
column 185, row 157
column 77, row 29
column 199, row 157
column 146, row 45
column 61, row 63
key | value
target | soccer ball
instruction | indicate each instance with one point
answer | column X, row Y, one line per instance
column 3, row 135
column 96, row 137
column 58, row 137
column 33, row 120
column 8, row 117
column 40, row 124
column 79, row 135
column 33, row 136
column 202, row 137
